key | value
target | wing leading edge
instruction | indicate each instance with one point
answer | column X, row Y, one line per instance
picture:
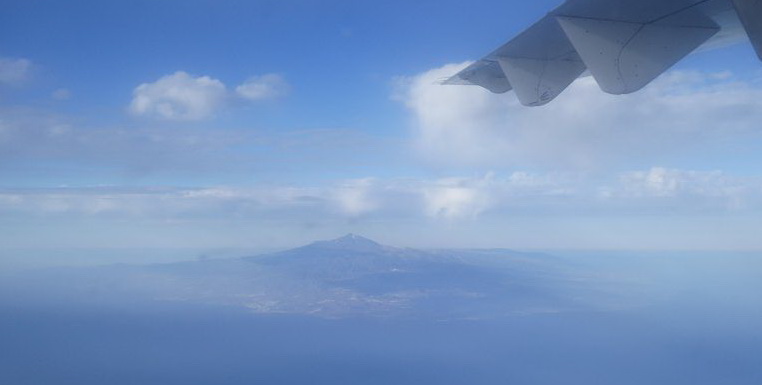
column 624, row 44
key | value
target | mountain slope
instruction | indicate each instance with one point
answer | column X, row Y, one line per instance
column 350, row 275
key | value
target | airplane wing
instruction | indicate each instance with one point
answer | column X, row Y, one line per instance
column 624, row 44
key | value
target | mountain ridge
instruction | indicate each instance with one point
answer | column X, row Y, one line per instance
column 349, row 275
column 349, row 242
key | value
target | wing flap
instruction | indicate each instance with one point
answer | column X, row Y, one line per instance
column 624, row 57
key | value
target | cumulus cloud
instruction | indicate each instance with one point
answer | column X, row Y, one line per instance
column 184, row 97
column 584, row 128
column 14, row 71
column 179, row 96
column 257, row 88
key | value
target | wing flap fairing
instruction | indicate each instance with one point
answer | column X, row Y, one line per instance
column 483, row 73
column 537, row 82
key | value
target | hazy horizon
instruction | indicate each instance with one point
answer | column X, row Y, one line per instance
column 41, row 257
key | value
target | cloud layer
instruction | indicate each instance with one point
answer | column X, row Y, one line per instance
column 450, row 199
column 584, row 128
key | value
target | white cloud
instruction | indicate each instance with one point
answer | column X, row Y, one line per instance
column 658, row 181
column 179, row 96
column 184, row 97
column 699, row 189
column 354, row 197
column 14, row 71
column 256, row 88
column 457, row 198
column 584, row 128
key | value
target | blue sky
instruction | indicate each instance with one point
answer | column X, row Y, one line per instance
column 299, row 120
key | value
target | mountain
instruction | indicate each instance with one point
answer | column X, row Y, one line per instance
column 351, row 275
column 349, row 242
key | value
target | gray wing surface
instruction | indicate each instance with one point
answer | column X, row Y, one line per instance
column 750, row 13
column 624, row 44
